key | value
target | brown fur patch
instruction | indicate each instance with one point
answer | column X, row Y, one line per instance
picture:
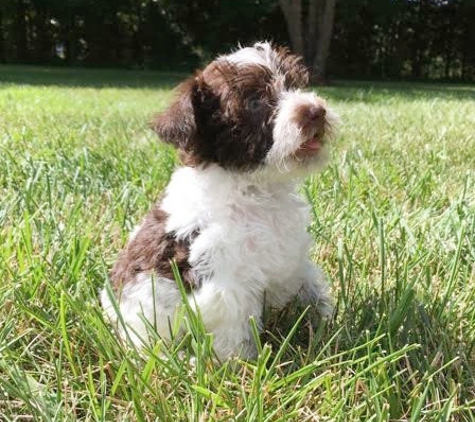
column 310, row 118
column 176, row 125
column 224, row 114
column 153, row 250
column 291, row 66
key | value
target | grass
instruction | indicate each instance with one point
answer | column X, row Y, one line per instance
column 394, row 227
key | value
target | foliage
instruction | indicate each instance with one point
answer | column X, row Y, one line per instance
column 402, row 38
column 371, row 38
column 393, row 223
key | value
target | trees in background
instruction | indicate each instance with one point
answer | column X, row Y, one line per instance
column 423, row 39
column 91, row 32
column 420, row 39
column 310, row 25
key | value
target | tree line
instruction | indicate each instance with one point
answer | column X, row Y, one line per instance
column 418, row 39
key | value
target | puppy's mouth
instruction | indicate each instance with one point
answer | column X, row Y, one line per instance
column 311, row 146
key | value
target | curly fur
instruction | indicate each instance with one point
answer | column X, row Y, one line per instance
column 230, row 218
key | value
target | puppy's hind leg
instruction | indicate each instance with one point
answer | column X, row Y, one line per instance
column 150, row 302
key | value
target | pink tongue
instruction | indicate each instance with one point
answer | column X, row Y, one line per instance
column 312, row 144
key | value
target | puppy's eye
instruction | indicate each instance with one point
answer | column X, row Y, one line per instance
column 254, row 104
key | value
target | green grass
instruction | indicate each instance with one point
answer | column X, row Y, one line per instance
column 394, row 227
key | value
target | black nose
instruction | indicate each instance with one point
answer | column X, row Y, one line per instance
column 315, row 113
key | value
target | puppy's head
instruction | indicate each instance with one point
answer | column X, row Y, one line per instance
column 246, row 112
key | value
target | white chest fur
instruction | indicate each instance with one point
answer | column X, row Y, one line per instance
column 248, row 246
column 249, row 231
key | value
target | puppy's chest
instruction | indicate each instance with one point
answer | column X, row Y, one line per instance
column 266, row 222
column 267, row 236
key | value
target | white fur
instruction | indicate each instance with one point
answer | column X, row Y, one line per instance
column 261, row 53
column 252, row 243
column 287, row 134
column 151, row 301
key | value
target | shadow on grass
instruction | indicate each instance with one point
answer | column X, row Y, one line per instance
column 377, row 91
column 359, row 91
column 369, row 318
column 93, row 78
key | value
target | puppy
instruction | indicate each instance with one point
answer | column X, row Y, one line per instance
column 230, row 218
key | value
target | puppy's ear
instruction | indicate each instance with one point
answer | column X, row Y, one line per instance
column 296, row 73
column 178, row 125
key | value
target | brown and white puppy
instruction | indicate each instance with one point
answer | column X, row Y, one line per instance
column 230, row 217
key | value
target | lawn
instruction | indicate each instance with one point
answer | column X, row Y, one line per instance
column 394, row 228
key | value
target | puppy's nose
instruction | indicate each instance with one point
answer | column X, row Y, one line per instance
column 315, row 113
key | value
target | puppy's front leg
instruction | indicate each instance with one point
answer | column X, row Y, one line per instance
column 308, row 284
column 315, row 289
column 226, row 313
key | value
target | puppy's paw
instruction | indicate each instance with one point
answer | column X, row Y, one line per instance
column 315, row 291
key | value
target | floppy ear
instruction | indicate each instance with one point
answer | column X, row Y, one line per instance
column 177, row 125
column 181, row 124
column 292, row 66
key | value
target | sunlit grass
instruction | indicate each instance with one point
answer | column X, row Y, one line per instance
column 394, row 227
